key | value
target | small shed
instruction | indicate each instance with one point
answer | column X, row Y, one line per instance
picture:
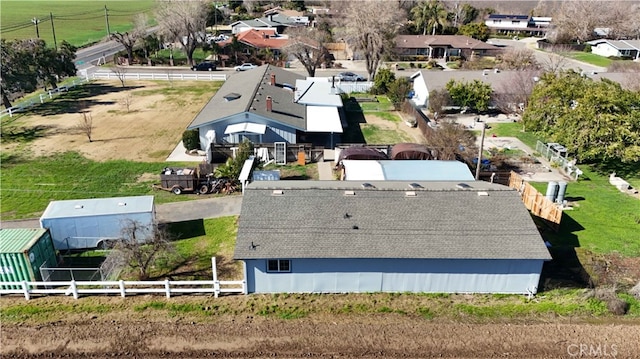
column 89, row 223
column 361, row 153
column 22, row 252
column 411, row 151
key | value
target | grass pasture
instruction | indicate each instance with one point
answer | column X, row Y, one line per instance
column 78, row 22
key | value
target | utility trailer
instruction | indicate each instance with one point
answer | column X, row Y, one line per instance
column 198, row 180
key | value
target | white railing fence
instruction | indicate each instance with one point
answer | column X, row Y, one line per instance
column 122, row 287
column 42, row 98
column 159, row 76
column 76, row 288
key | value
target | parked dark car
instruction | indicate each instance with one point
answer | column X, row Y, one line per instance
column 350, row 76
column 204, row 66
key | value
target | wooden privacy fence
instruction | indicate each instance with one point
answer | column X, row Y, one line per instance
column 536, row 202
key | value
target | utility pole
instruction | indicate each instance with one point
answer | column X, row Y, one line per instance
column 36, row 21
column 480, row 151
column 53, row 30
column 106, row 17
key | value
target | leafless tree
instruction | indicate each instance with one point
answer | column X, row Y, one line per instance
column 369, row 27
column 452, row 142
column 576, row 20
column 121, row 74
column 129, row 39
column 307, row 45
column 518, row 58
column 126, row 101
column 438, row 100
column 555, row 61
column 184, row 22
column 512, row 96
column 139, row 250
column 86, row 124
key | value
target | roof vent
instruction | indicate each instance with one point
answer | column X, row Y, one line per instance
column 232, row 96
column 483, row 193
column 415, row 185
column 78, row 206
column 463, row 186
column 368, row 185
column 122, row 204
column 349, row 193
column 410, row 194
column 277, row 192
column 355, row 227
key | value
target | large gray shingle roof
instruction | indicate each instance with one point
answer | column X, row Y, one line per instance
column 315, row 219
column 254, row 87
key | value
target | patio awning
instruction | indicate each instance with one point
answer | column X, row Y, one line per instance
column 246, row 127
column 323, row 119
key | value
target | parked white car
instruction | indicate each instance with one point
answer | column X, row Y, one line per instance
column 244, row 67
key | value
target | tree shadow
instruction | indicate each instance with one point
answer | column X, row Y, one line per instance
column 77, row 99
column 354, row 117
column 185, row 229
column 25, row 133
column 621, row 169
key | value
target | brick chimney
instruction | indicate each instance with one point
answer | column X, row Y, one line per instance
column 269, row 103
column 273, row 79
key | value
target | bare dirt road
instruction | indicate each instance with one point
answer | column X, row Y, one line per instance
column 385, row 335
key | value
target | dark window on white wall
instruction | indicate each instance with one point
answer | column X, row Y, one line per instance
column 279, row 265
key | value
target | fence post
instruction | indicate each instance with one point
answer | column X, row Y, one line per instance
column 41, row 99
column 74, row 289
column 25, row 289
column 167, row 288
column 216, row 283
column 122, row 291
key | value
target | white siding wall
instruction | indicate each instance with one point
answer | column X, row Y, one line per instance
column 506, row 24
column 604, row 49
column 421, row 97
column 396, row 275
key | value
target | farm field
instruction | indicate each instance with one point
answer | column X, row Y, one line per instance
column 77, row 22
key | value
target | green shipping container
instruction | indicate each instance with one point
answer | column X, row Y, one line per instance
column 23, row 252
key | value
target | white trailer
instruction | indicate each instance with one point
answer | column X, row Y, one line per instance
column 91, row 223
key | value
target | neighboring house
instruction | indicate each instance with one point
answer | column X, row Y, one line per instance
column 618, row 48
column 276, row 21
column 405, row 170
column 425, row 81
column 518, row 24
column 387, row 236
column 263, row 39
column 88, row 223
column 420, row 47
column 261, row 105
column 339, row 50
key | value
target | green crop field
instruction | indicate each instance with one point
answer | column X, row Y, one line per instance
column 77, row 22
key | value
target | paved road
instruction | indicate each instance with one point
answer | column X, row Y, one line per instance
column 171, row 212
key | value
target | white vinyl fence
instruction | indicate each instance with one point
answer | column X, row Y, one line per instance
column 122, row 287
column 42, row 98
column 159, row 76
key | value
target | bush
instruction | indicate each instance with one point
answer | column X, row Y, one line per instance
column 587, row 48
column 412, row 65
column 191, row 139
column 383, row 79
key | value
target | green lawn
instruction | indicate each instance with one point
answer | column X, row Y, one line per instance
column 77, row 22
column 604, row 220
column 28, row 184
column 589, row 58
column 376, row 135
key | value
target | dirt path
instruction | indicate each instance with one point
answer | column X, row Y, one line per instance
column 385, row 335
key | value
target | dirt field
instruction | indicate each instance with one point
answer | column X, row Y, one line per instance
column 158, row 114
column 349, row 336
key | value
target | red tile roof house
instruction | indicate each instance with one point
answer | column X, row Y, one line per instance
column 420, row 47
column 263, row 39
